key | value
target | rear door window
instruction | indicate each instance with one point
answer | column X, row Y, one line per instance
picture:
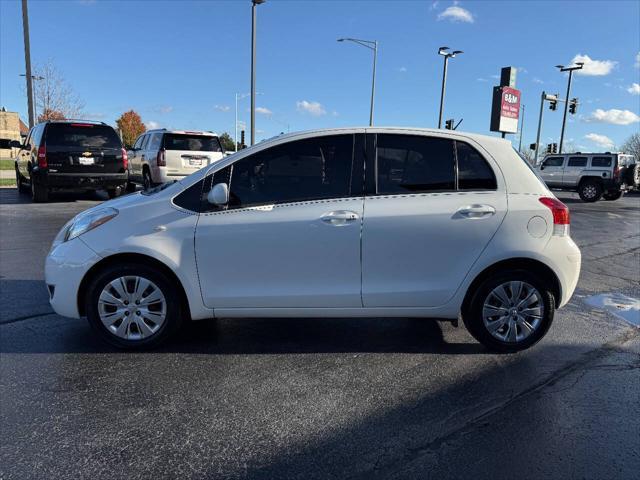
column 577, row 162
column 554, row 162
column 474, row 173
column 413, row 164
column 76, row 135
column 154, row 143
column 193, row 143
column 601, row 162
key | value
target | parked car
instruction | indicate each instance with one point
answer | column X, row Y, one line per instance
column 162, row 155
column 354, row 222
column 592, row 175
column 71, row 155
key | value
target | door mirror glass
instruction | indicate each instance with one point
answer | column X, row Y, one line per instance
column 219, row 194
column 15, row 144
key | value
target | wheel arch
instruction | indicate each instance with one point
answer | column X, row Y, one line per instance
column 527, row 264
column 591, row 178
column 129, row 258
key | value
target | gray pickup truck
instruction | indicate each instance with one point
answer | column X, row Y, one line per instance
column 593, row 175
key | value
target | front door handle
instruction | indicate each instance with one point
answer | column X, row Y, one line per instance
column 477, row 211
column 339, row 217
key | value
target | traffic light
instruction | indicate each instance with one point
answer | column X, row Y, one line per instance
column 532, row 146
column 554, row 148
column 553, row 104
column 242, row 145
column 449, row 124
column 573, row 106
column 549, row 148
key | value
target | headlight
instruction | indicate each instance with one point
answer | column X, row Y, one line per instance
column 88, row 221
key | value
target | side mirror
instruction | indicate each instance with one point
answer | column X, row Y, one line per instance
column 15, row 144
column 542, row 167
column 219, row 194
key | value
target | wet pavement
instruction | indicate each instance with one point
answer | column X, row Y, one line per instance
column 320, row 398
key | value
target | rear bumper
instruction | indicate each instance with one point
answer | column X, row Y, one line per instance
column 80, row 181
column 564, row 257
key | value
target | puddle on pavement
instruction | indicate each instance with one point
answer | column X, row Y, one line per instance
column 626, row 308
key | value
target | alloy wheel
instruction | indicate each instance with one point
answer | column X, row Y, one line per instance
column 513, row 311
column 132, row 307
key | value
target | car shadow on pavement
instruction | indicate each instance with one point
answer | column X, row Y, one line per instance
column 9, row 196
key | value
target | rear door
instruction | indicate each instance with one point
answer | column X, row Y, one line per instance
column 83, row 148
column 186, row 153
column 135, row 156
column 424, row 226
column 573, row 171
column 552, row 170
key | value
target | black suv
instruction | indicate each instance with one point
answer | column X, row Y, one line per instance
column 76, row 155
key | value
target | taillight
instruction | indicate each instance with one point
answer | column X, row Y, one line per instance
column 560, row 212
column 125, row 159
column 42, row 156
column 160, row 160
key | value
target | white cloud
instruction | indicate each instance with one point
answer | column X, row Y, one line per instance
column 482, row 80
column 434, row 5
column 222, row 108
column 402, row 69
column 497, row 77
column 600, row 140
column 634, row 89
column 162, row 109
column 151, row 125
column 637, row 64
column 263, row 111
column 456, row 14
column 536, row 80
column 593, row 68
column 613, row 116
column 312, row 108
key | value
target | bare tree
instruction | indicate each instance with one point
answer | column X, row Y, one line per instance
column 54, row 97
column 632, row 146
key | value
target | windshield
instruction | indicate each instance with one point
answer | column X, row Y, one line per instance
column 194, row 143
column 82, row 135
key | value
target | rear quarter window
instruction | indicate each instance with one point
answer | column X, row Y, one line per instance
column 474, row 173
column 601, row 162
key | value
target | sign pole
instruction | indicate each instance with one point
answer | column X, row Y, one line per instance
column 535, row 158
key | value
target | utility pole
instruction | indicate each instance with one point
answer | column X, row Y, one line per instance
column 27, row 62
column 447, row 55
column 562, row 68
column 254, row 5
column 521, row 129
column 371, row 45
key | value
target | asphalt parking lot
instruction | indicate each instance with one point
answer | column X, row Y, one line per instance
column 298, row 398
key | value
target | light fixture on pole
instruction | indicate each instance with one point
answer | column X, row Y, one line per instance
column 372, row 45
column 562, row 68
column 447, row 55
column 254, row 4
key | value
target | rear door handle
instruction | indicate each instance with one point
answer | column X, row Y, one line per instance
column 477, row 211
column 339, row 217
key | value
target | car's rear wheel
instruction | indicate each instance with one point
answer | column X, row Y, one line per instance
column 39, row 192
column 131, row 187
column 20, row 182
column 147, row 183
column 615, row 195
column 590, row 191
column 133, row 306
column 510, row 311
column 114, row 192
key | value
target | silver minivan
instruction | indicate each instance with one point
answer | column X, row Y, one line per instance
column 161, row 155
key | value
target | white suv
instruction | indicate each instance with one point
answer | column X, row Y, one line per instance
column 161, row 155
column 380, row 222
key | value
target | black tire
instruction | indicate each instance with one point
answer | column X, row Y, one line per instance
column 114, row 192
column 473, row 314
column 610, row 196
column 174, row 313
column 130, row 187
column 590, row 191
column 39, row 192
column 20, row 182
column 147, row 182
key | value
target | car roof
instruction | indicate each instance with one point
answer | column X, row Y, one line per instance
column 183, row 132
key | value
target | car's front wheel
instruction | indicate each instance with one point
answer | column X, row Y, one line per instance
column 20, row 182
column 510, row 311
column 133, row 306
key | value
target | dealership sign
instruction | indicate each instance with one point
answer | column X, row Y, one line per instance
column 505, row 110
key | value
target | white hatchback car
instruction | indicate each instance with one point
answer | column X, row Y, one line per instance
column 161, row 155
column 379, row 222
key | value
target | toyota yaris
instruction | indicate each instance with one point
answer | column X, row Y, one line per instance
column 360, row 222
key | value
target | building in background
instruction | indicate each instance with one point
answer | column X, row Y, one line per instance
column 11, row 128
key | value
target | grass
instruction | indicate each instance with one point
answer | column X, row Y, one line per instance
column 7, row 164
column 7, row 182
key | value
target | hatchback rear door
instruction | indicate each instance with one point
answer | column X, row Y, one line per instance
column 83, row 148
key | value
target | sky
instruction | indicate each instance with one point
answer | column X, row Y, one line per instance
column 179, row 64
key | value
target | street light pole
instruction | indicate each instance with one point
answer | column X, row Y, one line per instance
column 562, row 68
column 254, row 4
column 372, row 45
column 447, row 55
column 27, row 62
column 542, row 98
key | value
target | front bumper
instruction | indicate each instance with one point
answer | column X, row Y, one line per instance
column 65, row 267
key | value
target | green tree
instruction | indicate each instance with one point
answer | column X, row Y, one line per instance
column 227, row 142
column 131, row 127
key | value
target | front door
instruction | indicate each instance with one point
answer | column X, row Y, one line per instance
column 573, row 171
column 290, row 236
column 552, row 170
column 424, row 224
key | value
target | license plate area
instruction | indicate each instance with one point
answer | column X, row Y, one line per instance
column 86, row 160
